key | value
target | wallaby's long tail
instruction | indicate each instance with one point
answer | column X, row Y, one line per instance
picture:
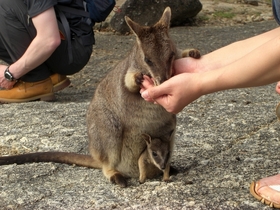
column 56, row 157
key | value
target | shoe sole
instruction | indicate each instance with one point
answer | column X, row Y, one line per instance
column 61, row 85
column 261, row 199
column 45, row 97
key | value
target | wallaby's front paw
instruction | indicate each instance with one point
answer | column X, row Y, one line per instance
column 133, row 80
column 139, row 78
column 194, row 53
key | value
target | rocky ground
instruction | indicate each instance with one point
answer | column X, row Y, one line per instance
column 223, row 13
column 233, row 12
column 224, row 141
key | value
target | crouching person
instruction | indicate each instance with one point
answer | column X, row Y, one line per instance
column 41, row 44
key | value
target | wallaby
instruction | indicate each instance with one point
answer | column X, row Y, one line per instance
column 156, row 158
column 117, row 115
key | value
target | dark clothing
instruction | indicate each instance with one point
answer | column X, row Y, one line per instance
column 17, row 32
column 276, row 10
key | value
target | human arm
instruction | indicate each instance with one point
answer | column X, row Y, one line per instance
column 225, row 55
column 259, row 67
column 40, row 49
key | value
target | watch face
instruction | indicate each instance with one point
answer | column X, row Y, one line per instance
column 8, row 75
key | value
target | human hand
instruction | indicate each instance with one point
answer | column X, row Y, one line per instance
column 4, row 83
column 175, row 93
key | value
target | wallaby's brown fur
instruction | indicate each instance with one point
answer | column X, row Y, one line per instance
column 117, row 115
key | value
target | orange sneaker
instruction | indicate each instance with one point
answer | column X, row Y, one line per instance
column 59, row 82
column 28, row 91
column 267, row 190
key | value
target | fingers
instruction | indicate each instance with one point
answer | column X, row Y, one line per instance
column 153, row 93
column 147, row 82
column 7, row 84
column 278, row 88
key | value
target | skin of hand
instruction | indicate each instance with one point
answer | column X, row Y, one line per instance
column 248, row 66
column 5, row 83
column 39, row 50
column 172, row 93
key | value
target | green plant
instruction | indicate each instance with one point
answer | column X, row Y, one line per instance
column 223, row 14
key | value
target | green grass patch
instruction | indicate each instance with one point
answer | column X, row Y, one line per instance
column 223, row 14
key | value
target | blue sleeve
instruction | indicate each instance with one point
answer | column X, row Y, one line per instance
column 276, row 10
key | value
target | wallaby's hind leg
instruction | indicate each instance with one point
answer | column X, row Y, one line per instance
column 114, row 176
column 194, row 53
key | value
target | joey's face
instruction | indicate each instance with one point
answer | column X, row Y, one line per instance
column 159, row 152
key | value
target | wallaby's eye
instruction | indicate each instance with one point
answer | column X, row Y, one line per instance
column 171, row 56
column 154, row 154
column 148, row 61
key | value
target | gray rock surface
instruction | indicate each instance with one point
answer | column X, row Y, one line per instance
column 223, row 142
column 151, row 11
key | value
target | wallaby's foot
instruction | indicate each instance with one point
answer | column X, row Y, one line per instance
column 166, row 180
column 194, row 53
column 142, row 179
column 119, row 180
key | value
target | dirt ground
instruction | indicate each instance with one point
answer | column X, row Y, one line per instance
column 232, row 12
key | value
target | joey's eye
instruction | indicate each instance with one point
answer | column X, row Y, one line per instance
column 148, row 61
column 154, row 154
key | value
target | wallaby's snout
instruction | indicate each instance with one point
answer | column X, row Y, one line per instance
column 164, row 70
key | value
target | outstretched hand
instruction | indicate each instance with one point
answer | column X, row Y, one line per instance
column 174, row 94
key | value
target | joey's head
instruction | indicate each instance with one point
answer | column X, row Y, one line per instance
column 159, row 151
column 155, row 51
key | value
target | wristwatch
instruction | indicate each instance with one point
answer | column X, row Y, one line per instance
column 8, row 75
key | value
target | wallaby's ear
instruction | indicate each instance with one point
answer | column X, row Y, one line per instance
column 165, row 18
column 147, row 138
column 135, row 27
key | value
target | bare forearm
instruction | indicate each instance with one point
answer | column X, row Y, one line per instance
column 259, row 67
column 225, row 55
column 41, row 47
column 236, row 50
column 38, row 52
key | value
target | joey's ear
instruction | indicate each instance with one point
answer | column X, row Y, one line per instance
column 147, row 138
column 135, row 27
column 165, row 18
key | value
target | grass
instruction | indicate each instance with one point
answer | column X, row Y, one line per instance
column 223, row 14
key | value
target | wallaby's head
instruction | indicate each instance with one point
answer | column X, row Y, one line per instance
column 159, row 150
column 155, row 50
